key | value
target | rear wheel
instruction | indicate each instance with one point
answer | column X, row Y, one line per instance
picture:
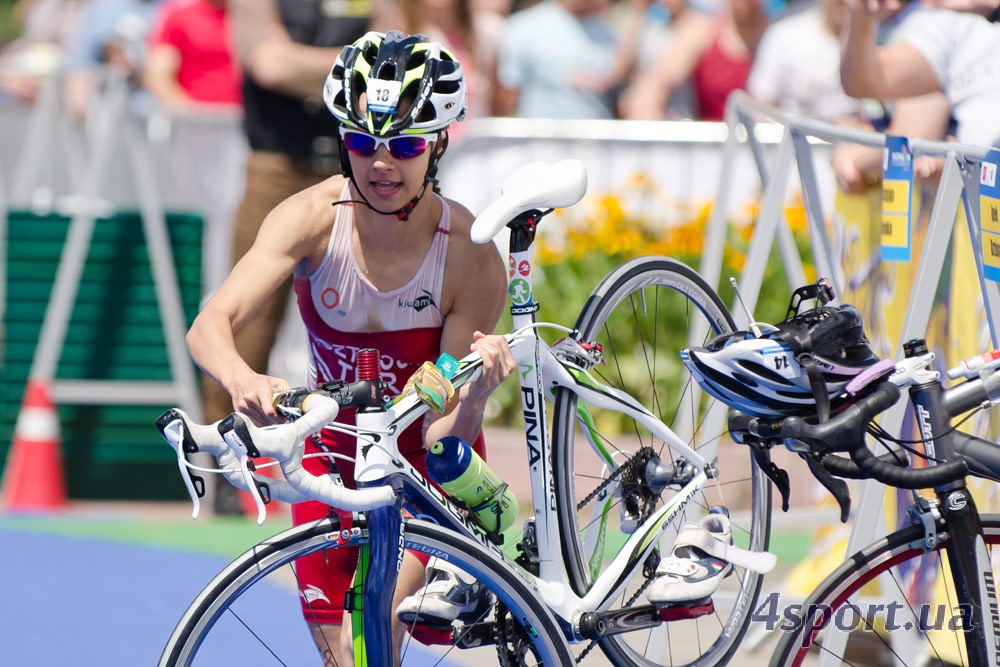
column 643, row 314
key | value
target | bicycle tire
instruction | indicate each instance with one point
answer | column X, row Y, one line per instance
column 654, row 295
column 530, row 624
column 891, row 555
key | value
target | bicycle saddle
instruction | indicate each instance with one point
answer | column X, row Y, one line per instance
column 536, row 185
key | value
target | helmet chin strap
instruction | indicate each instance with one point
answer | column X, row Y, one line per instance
column 403, row 214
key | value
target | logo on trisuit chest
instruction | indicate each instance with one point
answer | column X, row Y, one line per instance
column 418, row 303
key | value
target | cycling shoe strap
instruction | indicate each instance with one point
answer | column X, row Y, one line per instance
column 694, row 535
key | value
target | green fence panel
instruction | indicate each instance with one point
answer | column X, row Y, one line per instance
column 115, row 333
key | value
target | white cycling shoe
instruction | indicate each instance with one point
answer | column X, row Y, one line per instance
column 449, row 595
column 702, row 556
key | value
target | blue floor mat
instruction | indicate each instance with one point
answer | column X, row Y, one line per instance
column 67, row 600
column 71, row 601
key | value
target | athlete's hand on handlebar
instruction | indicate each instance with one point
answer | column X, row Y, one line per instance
column 498, row 364
column 252, row 395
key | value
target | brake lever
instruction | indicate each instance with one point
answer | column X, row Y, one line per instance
column 234, row 432
column 778, row 476
column 836, row 486
column 759, row 436
column 172, row 427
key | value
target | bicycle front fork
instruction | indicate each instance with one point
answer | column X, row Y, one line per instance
column 379, row 563
column 972, row 574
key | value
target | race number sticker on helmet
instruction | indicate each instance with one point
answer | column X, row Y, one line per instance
column 383, row 96
column 782, row 361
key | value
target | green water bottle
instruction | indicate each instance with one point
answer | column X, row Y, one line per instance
column 464, row 475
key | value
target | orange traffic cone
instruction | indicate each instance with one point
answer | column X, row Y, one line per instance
column 33, row 477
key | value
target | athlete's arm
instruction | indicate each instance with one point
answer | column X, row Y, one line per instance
column 283, row 241
column 647, row 96
column 476, row 277
column 270, row 57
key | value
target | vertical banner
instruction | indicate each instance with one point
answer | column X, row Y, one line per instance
column 989, row 214
column 897, row 188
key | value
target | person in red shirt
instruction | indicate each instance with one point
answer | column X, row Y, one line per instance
column 714, row 52
column 190, row 59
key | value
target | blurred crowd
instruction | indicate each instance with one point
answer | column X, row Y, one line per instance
column 927, row 69
column 627, row 59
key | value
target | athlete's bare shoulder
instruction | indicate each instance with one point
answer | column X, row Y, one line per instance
column 311, row 208
column 463, row 251
column 300, row 225
column 461, row 220
column 475, row 274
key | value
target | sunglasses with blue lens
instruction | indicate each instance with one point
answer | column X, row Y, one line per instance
column 401, row 147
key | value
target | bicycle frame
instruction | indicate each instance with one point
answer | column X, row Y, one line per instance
column 384, row 476
column 953, row 509
column 539, row 372
column 967, row 555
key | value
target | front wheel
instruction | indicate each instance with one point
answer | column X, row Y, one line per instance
column 892, row 602
column 250, row 613
column 642, row 314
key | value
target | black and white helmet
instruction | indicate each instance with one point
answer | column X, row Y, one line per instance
column 372, row 76
column 776, row 374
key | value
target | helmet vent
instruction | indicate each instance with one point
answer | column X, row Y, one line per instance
column 426, row 114
column 417, row 60
column 358, row 86
column 387, row 72
column 745, row 379
column 370, row 52
column 447, row 87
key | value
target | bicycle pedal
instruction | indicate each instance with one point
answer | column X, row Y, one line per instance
column 432, row 635
column 464, row 636
column 687, row 610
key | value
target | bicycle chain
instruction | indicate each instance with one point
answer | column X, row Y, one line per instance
column 631, row 482
column 596, row 492
column 513, row 643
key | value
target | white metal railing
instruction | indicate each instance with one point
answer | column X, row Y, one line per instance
column 959, row 184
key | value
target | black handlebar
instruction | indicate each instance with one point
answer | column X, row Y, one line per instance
column 845, row 433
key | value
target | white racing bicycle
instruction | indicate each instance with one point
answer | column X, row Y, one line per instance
column 630, row 451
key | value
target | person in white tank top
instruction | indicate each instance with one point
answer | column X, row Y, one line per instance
column 376, row 256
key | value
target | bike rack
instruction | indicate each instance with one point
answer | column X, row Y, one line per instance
column 958, row 184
